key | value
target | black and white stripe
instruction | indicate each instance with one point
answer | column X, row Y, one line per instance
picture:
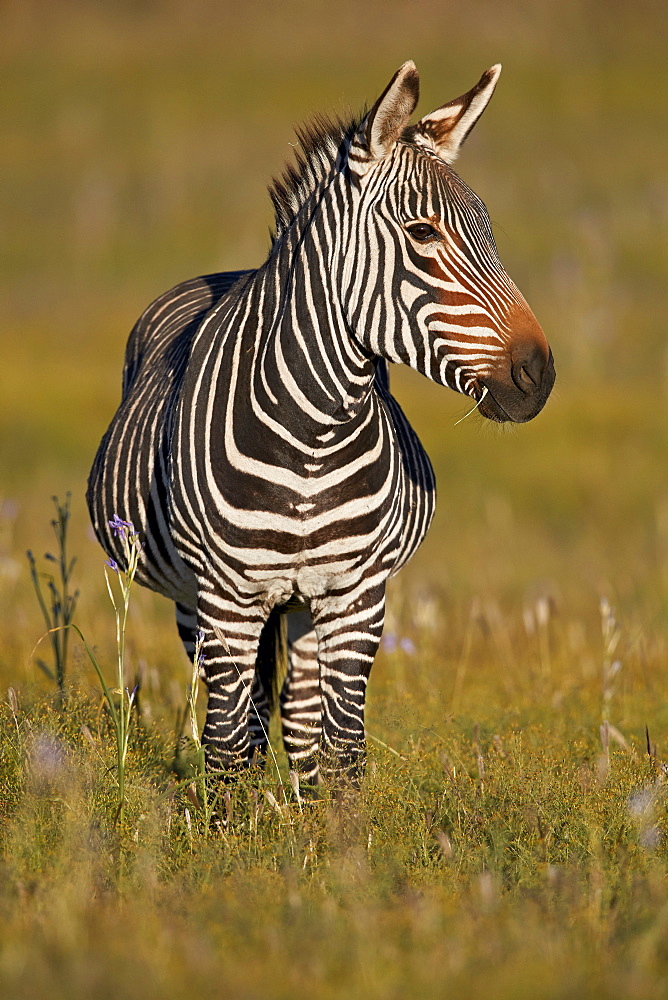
column 257, row 446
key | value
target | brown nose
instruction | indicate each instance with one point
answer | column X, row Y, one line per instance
column 520, row 383
column 520, row 393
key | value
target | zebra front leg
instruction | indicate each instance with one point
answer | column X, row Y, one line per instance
column 301, row 710
column 258, row 721
column 231, row 637
column 349, row 628
column 186, row 623
column 260, row 702
column 269, row 653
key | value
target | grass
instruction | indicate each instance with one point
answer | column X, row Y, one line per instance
column 486, row 856
column 510, row 837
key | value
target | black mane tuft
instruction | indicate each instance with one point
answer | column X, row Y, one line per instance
column 319, row 143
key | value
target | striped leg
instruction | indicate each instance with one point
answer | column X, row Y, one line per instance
column 266, row 665
column 258, row 721
column 186, row 623
column 231, row 637
column 300, row 698
column 348, row 630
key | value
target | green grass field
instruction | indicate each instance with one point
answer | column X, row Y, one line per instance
column 511, row 835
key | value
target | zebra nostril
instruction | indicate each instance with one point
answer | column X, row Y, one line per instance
column 527, row 371
column 526, row 377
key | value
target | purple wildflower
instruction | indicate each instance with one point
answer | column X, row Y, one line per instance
column 121, row 528
column 9, row 510
column 112, row 564
column 199, row 639
column 389, row 642
column 49, row 762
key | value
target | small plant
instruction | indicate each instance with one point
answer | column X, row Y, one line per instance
column 121, row 710
column 55, row 600
column 201, row 781
column 612, row 633
column 121, row 713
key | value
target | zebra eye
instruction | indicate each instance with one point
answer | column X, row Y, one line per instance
column 422, row 232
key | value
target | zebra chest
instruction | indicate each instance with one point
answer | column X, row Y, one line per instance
column 268, row 489
column 306, row 527
column 284, row 517
column 282, row 543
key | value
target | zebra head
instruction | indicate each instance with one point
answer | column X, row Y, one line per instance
column 422, row 281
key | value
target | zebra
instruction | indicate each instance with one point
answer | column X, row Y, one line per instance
column 258, row 447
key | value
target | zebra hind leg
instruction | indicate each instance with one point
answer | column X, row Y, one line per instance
column 300, row 698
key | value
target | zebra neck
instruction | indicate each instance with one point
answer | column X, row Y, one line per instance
column 307, row 356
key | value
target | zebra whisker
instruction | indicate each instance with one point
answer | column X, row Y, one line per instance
column 473, row 408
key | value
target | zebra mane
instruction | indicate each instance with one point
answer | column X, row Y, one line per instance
column 319, row 142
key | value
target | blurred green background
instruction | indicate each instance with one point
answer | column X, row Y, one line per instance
column 138, row 140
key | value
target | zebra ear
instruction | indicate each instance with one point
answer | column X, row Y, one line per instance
column 390, row 114
column 446, row 128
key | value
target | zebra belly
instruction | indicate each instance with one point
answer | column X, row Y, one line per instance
column 271, row 557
